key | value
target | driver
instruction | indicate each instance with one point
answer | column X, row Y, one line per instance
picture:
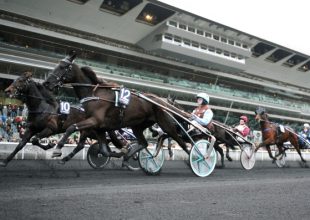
column 242, row 128
column 305, row 134
column 202, row 113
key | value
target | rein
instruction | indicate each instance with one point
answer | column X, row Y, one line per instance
column 89, row 85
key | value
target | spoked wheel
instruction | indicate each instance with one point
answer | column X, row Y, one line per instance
column 95, row 158
column 247, row 157
column 202, row 160
column 281, row 162
column 151, row 159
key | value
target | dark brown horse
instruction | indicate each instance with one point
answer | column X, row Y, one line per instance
column 98, row 99
column 44, row 118
column 222, row 133
column 273, row 136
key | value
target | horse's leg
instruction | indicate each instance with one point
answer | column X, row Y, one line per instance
column 28, row 134
column 45, row 133
column 115, row 141
column 79, row 147
column 221, row 152
column 280, row 148
column 227, row 153
column 36, row 141
column 270, row 154
column 294, row 141
column 169, row 147
column 86, row 124
column 142, row 142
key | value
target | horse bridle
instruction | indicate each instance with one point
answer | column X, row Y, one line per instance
column 18, row 89
column 62, row 76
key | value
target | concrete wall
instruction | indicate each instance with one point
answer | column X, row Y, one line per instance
column 35, row 153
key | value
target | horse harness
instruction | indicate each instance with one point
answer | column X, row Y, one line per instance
column 121, row 101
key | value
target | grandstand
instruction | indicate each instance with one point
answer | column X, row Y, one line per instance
column 154, row 47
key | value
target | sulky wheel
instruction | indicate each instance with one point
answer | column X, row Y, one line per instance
column 95, row 158
column 202, row 158
column 247, row 157
column 151, row 159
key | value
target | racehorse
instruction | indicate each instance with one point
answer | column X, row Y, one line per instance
column 98, row 99
column 273, row 136
column 44, row 118
column 222, row 133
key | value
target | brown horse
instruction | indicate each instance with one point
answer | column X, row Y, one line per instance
column 98, row 99
column 273, row 136
column 44, row 118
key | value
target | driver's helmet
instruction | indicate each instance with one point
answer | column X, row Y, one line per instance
column 244, row 118
column 204, row 96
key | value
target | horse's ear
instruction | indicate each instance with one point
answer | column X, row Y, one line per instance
column 72, row 55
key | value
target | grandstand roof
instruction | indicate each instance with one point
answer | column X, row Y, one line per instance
column 137, row 22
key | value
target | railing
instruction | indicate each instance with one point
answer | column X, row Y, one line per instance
column 158, row 78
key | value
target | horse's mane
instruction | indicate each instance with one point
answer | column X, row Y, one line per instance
column 50, row 99
column 94, row 79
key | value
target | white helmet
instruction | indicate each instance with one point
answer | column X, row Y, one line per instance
column 306, row 125
column 204, row 96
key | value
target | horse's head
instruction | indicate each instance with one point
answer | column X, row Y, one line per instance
column 260, row 114
column 19, row 86
column 62, row 73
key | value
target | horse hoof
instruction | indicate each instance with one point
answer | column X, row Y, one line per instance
column 229, row 159
column 129, row 167
column 3, row 164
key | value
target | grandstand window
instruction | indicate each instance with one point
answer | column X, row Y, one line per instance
column 203, row 47
column 305, row 67
column 153, row 14
column 260, row 49
column 211, row 49
column 226, row 53
column 186, row 42
column 200, row 32
column 231, row 42
column 168, row 36
column 224, row 40
column 177, row 39
column 81, row 2
column 118, row 7
column 207, row 34
column 294, row 60
column 278, row 55
column 240, row 57
column 173, row 23
column 182, row 26
column 191, row 29
column 245, row 46
column 216, row 37
column 218, row 51
column 195, row 44
column 233, row 55
column 238, row 44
